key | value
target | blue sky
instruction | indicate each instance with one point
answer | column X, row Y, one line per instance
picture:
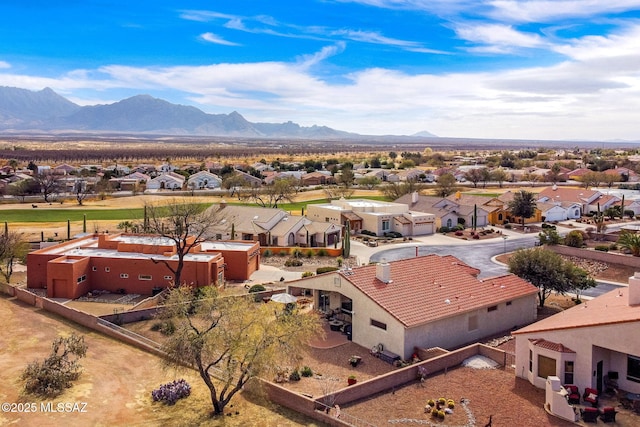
column 508, row 69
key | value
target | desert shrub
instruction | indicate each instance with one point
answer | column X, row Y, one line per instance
column 306, row 372
column 574, row 239
column 267, row 253
column 171, row 392
column 57, row 371
column 309, row 253
column 296, row 252
column 307, row 274
column 167, row 327
column 602, row 248
column 322, row 252
column 257, row 288
column 293, row 262
column 294, row 376
column 507, row 226
column 321, row 270
column 613, row 247
column 339, row 261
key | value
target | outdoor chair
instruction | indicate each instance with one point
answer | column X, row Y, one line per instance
column 589, row 415
column 574, row 394
column 608, row 414
column 590, row 396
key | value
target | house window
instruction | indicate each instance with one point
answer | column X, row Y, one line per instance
column 633, row 369
column 107, row 269
column 546, row 366
column 449, row 223
column 220, row 277
column 168, row 277
column 492, row 308
column 473, row 323
column 124, row 276
column 530, row 360
column 568, row 372
column 509, row 303
column 386, row 225
column 500, row 217
column 81, row 278
column 144, row 277
column 218, row 236
column 378, row 324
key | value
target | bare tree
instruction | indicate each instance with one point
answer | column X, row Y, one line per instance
column 282, row 190
column 49, row 186
column 185, row 223
column 13, row 248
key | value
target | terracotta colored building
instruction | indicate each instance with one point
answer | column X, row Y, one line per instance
column 134, row 264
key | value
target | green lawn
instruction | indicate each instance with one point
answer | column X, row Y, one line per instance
column 62, row 215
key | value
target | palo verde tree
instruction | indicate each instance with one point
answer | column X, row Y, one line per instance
column 549, row 272
column 523, row 205
column 231, row 340
column 185, row 223
column 446, row 185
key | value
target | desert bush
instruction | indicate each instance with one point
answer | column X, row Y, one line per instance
column 307, row 274
column 574, row 239
column 57, row 371
column 602, row 248
column 306, row 372
column 309, row 253
column 322, row 252
column 294, row 376
column 267, row 253
column 293, row 262
column 296, row 252
column 257, row 288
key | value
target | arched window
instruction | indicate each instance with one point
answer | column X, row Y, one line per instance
column 577, row 214
column 292, row 240
column 449, row 223
column 499, row 217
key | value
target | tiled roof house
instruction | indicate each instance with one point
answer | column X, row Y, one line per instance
column 428, row 301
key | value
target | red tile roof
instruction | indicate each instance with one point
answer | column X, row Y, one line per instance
column 549, row 345
column 433, row 287
column 609, row 308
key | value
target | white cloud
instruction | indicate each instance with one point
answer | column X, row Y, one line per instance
column 212, row 38
column 498, row 37
column 551, row 10
column 4, row 64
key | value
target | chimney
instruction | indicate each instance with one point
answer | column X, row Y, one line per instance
column 383, row 272
column 634, row 289
column 414, row 197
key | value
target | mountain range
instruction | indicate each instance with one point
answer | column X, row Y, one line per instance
column 22, row 111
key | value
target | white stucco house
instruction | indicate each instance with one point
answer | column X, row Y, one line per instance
column 587, row 343
column 204, row 180
column 168, row 181
column 425, row 302
column 375, row 216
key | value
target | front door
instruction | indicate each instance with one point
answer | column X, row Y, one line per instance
column 599, row 377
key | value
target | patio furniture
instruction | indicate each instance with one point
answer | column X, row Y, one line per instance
column 590, row 396
column 574, row 394
column 608, row 414
column 589, row 415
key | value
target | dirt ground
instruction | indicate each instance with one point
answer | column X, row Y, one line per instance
column 116, row 383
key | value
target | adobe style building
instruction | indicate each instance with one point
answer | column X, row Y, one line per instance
column 134, row 264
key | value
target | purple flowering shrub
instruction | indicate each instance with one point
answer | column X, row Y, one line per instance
column 169, row 393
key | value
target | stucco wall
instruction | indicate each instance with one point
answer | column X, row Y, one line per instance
column 454, row 331
column 609, row 343
column 596, row 255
